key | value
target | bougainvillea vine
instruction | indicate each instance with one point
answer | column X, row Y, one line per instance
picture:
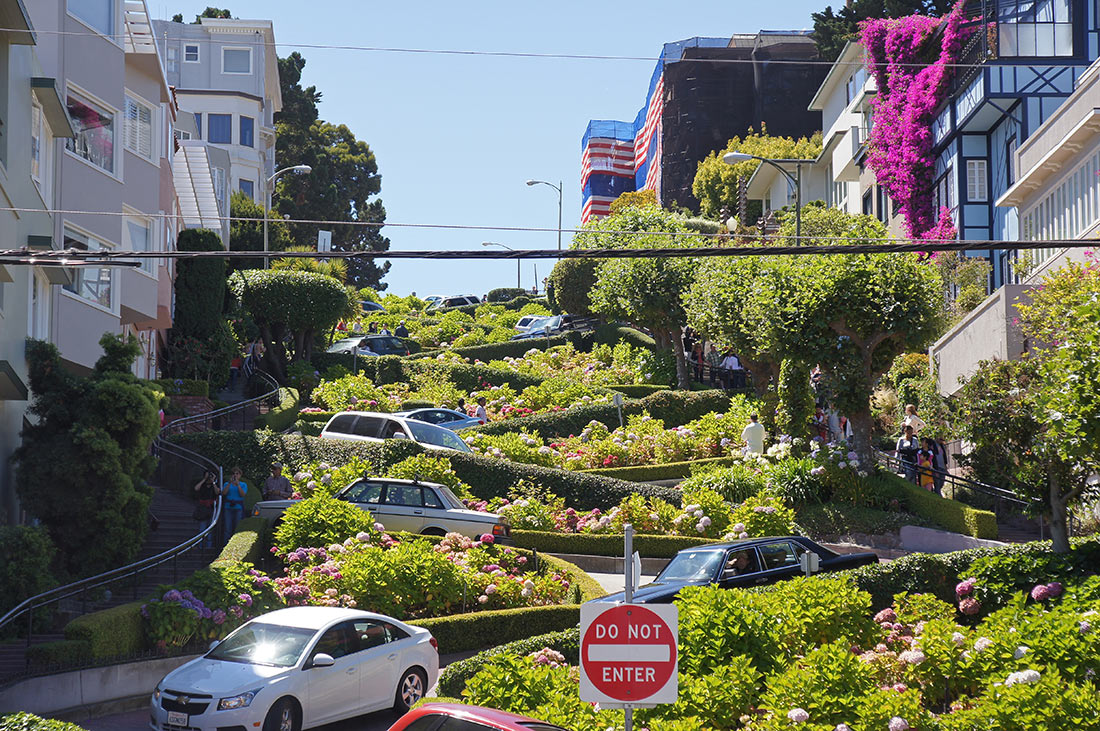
column 910, row 90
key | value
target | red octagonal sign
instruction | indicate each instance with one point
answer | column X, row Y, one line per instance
column 628, row 653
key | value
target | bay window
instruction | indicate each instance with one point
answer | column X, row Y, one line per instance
column 219, row 128
column 1035, row 28
column 95, row 133
column 96, row 14
column 90, row 282
column 138, row 236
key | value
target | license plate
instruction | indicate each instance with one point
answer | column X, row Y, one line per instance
column 177, row 719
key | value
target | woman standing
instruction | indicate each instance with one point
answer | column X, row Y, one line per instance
column 234, row 491
column 906, row 451
column 205, row 493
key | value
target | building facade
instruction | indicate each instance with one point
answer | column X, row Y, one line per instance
column 226, row 76
column 702, row 93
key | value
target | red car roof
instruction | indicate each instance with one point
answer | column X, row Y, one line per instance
column 488, row 716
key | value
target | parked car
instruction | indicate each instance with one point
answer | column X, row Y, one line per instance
column 458, row 300
column 368, row 345
column 457, row 717
column 541, row 328
column 524, row 323
column 426, row 508
column 369, row 306
column 369, row 426
column 751, row 562
column 449, row 418
column 298, row 668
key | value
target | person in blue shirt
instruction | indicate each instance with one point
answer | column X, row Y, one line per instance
column 233, row 492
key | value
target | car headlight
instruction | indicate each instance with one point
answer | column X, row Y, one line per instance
column 238, row 701
column 156, row 694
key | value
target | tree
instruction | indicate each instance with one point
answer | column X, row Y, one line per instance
column 290, row 308
column 248, row 235
column 335, row 268
column 648, row 292
column 833, row 30
column 716, row 184
column 569, row 285
column 200, row 344
column 634, row 199
column 343, row 185
column 82, row 468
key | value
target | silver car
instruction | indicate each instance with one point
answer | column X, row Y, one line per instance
column 447, row 418
column 427, row 508
column 371, row 426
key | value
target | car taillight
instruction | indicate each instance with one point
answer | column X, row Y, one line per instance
column 435, row 643
column 481, row 421
column 500, row 529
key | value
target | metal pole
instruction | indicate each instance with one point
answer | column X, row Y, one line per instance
column 798, row 204
column 628, row 596
column 518, row 285
column 267, row 188
column 559, row 214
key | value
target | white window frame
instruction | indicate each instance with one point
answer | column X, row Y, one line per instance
column 132, row 215
column 977, row 181
column 38, row 141
column 172, row 59
column 116, row 156
column 247, row 50
column 93, row 243
column 131, row 133
column 198, row 53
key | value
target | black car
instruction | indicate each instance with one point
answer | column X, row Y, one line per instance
column 751, row 562
column 377, row 344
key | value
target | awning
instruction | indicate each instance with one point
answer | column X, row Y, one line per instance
column 12, row 387
column 45, row 91
column 5, row 275
column 39, row 241
column 195, row 186
column 13, row 17
column 58, row 275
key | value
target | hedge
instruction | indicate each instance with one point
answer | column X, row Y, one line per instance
column 589, row 587
column 499, row 351
column 24, row 721
column 283, row 416
column 505, row 294
column 383, row 369
column 637, row 390
column 603, row 544
column 488, row 477
column 247, row 544
column 610, row 334
column 675, row 408
column 951, row 514
column 654, row 472
column 115, row 632
column 478, row 630
column 182, row 387
column 453, row 679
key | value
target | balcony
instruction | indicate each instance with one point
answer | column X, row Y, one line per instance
column 846, row 156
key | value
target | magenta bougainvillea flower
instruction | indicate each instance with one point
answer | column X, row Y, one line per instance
column 910, row 92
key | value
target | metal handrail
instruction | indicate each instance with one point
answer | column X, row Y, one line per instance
column 160, row 445
column 179, row 426
column 993, row 491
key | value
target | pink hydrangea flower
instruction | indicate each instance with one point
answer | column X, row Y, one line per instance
column 1055, row 589
column 886, row 615
column 897, row 723
column 964, row 588
column 798, row 715
column 970, row 606
column 1040, row 593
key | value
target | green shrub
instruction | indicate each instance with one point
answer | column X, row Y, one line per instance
column 58, row 654
column 115, row 632
column 25, row 572
column 416, row 404
column 247, row 544
column 453, row 679
column 478, row 630
column 1003, row 575
column 281, row 417
column 603, row 544
column 791, row 481
column 839, row 519
column 762, row 516
column 320, row 521
column 583, row 585
column 952, row 515
column 505, row 294
column 429, row 467
column 183, row 387
column 638, row 390
column 735, row 483
column 655, row 472
column 23, row 721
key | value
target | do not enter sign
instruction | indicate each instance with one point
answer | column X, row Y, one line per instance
column 628, row 654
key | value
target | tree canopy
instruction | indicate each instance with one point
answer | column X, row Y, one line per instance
column 82, row 468
column 343, row 185
column 833, row 29
column 248, row 234
column 201, row 344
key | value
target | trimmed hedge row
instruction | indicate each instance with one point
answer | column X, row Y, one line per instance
column 384, row 369
column 24, row 721
column 489, row 478
column 589, row 588
column 638, row 390
column 478, row 630
column 182, row 387
column 610, row 544
column 453, row 679
column 675, row 408
column 499, row 351
column 283, row 416
column 951, row 514
column 247, row 544
column 653, row 472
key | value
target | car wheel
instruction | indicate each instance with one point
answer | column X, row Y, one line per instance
column 434, row 532
column 283, row 716
column 413, row 686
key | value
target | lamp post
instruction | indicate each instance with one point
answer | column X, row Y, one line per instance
column 732, row 158
column 268, row 187
column 503, row 246
column 557, row 188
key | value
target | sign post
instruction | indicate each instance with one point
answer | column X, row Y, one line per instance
column 629, row 651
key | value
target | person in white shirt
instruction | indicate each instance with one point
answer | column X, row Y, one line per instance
column 911, row 419
column 753, row 436
column 357, row 328
column 481, row 413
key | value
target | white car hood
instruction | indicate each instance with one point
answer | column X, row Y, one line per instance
column 475, row 515
column 219, row 678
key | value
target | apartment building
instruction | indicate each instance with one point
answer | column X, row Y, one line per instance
column 226, row 76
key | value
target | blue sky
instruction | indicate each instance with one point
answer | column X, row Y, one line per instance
column 456, row 137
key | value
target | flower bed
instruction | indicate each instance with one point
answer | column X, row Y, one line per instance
column 808, row 653
column 603, row 366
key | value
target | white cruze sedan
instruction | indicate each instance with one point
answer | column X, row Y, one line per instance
column 298, row 668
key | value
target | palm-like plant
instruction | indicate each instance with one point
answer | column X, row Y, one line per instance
column 335, row 268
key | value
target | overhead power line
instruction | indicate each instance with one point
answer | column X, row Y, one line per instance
column 81, row 256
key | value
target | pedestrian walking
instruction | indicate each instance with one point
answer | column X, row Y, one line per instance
column 753, row 436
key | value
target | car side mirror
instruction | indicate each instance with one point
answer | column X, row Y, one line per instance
column 213, row 644
column 400, row 435
column 322, row 660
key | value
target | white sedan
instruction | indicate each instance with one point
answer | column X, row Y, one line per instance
column 298, row 668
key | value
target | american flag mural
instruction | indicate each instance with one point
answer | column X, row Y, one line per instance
column 619, row 157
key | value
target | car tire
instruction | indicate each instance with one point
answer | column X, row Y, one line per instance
column 283, row 716
column 434, row 532
column 412, row 687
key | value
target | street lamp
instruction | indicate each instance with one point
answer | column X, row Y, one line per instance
column 732, row 158
column 557, row 188
column 503, row 246
column 268, row 187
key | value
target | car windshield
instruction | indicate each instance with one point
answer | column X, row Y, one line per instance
column 384, row 343
column 436, row 435
column 692, row 566
column 341, row 345
column 263, row 644
column 450, row 498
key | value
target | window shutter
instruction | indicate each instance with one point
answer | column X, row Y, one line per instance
column 145, row 132
column 976, row 187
